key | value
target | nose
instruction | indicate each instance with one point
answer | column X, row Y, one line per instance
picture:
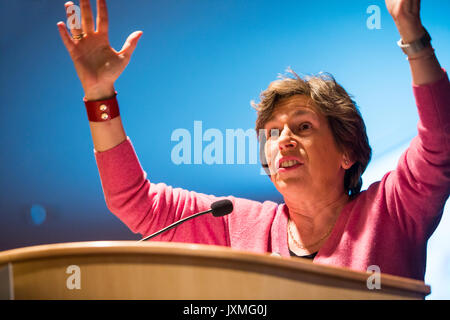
column 285, row 140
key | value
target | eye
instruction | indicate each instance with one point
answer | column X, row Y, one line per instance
column 304, row 126
column 273, row 132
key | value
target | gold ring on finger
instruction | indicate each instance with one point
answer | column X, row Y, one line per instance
column 79, row 36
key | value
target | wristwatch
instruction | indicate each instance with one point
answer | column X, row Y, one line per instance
column 415, row 46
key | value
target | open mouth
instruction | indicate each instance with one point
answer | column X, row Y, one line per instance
column 286, row 165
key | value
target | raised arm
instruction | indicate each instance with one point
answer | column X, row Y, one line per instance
column 425, row 67
column 98, row 65
column 143, row 206
column 416, row 191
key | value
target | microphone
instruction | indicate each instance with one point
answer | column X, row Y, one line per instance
column 218, row 209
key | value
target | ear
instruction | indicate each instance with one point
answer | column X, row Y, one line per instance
column 346, row 162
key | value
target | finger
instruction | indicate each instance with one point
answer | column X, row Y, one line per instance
column 130, row 44
column 404, row 6
column 416, row 7
column 73, row 18
column 65, row 36
column 87, row 21
column 411, row 6
column 102, row 17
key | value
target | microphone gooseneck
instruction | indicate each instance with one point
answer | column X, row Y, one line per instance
column 219, row 209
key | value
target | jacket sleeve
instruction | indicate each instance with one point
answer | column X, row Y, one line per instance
column 416, row 191
column 147, row 207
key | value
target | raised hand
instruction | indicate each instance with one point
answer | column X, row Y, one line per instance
column 406, row 15
column 97, row 64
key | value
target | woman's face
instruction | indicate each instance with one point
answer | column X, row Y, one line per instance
column 303, row 157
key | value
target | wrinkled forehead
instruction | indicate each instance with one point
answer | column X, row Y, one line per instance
column 292, row 106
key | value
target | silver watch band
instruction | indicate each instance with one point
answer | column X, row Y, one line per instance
column 415, row 46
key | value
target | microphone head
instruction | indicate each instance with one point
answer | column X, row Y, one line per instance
column 221, row 208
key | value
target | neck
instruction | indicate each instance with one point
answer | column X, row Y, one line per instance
column 314, row 217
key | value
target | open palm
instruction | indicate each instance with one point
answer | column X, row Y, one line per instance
column 96, row 63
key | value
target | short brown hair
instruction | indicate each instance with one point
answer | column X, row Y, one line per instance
column 332, row 101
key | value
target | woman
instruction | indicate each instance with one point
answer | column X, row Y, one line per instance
column 316, row 149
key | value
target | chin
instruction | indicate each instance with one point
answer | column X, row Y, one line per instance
column 288, row 185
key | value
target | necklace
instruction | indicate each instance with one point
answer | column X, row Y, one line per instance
column 308, row 246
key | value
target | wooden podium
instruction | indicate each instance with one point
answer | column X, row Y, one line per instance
column 179, row 271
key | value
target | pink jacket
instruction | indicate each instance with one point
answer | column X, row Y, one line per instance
column 387, row 225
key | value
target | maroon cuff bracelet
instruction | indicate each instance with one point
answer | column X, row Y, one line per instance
column 102, row 110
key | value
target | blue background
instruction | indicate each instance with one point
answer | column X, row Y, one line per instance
column 197, row 60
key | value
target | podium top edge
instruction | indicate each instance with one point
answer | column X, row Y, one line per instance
column 59, row 250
